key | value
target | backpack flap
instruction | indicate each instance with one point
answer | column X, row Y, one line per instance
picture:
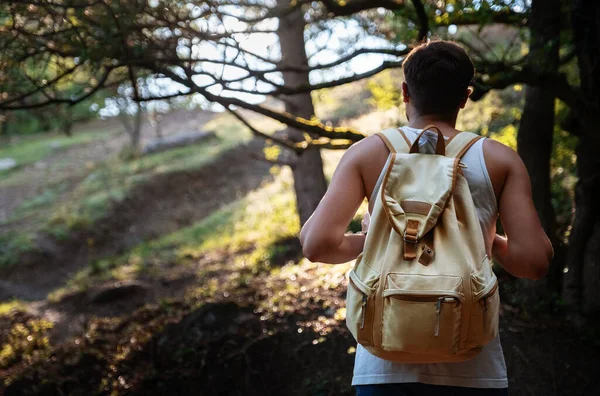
column 414, row 193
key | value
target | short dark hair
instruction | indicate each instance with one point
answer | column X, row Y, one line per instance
column 438, row 74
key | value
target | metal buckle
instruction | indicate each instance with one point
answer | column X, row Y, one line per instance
column 410, row 238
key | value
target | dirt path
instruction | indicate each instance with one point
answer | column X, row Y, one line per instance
column 66, row 165
column 165, row 204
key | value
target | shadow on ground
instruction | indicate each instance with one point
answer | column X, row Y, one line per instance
column 220, row 348
column 250, row 339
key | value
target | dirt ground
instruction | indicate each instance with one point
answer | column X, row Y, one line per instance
column 231, row 347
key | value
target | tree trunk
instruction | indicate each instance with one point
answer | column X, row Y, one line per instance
column 534, row 139
column 133, row 128
column 157, row 126
column 67, row 121
column 581, row 289
column 4, row 121
column 309, row 180
column 137, row 129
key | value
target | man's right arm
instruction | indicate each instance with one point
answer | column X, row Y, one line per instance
column 525, row 251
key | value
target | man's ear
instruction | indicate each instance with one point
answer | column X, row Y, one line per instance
column 405, row 95
column 464, row 102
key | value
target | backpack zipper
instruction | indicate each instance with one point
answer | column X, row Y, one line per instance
column 438, row 311
column 415, row 295
column 438, row 304
column 365, row 335
column 363, row 311
column 363, row 305
column 485, row 306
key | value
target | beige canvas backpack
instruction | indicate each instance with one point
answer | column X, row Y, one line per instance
column 423, row 290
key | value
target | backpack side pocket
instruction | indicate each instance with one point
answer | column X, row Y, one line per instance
column 360, row 309
column 483, row 324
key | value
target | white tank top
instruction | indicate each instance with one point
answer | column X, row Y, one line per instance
column 487, row 369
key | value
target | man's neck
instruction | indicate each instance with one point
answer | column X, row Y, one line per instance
column 421, row 122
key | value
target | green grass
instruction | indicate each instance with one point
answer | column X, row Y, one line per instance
column 7, row 307
column 35, row 205
column 12, row 245
column 246, row 229
column 32, row 149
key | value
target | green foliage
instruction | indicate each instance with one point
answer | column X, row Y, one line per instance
column 11, row 306
column 386, row 90
column 355, row 225
column 24, row 342
column 563, row 173
column 507, row 136
column 343, row 102
column 494, row 112
column 59, row 119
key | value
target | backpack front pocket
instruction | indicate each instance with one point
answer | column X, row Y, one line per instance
column 360, row 300
column 422, row 321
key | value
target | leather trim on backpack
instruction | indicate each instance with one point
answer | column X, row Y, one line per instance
column 416, row 207
column 428, row 253
column 410, row 239
column 468, row 146
column 386, row 141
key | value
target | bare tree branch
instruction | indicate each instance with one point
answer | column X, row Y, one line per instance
column 281, row 142
column 354, row 6
column 423, row 20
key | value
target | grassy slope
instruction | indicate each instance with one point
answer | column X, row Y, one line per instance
column 28, row 150
column 102, row 184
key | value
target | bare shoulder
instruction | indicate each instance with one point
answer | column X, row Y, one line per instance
column 498, row 152
column 368, row 156
column 366, row 150
column 370, row 144
column 500, row 160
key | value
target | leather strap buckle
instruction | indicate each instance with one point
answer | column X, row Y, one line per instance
column 410, row 238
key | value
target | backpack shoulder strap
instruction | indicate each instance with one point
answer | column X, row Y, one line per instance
column 395, row 140
column 459, row 144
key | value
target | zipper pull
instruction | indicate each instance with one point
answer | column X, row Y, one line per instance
column 485, row 308
column 438, row 311
column 362, row 313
